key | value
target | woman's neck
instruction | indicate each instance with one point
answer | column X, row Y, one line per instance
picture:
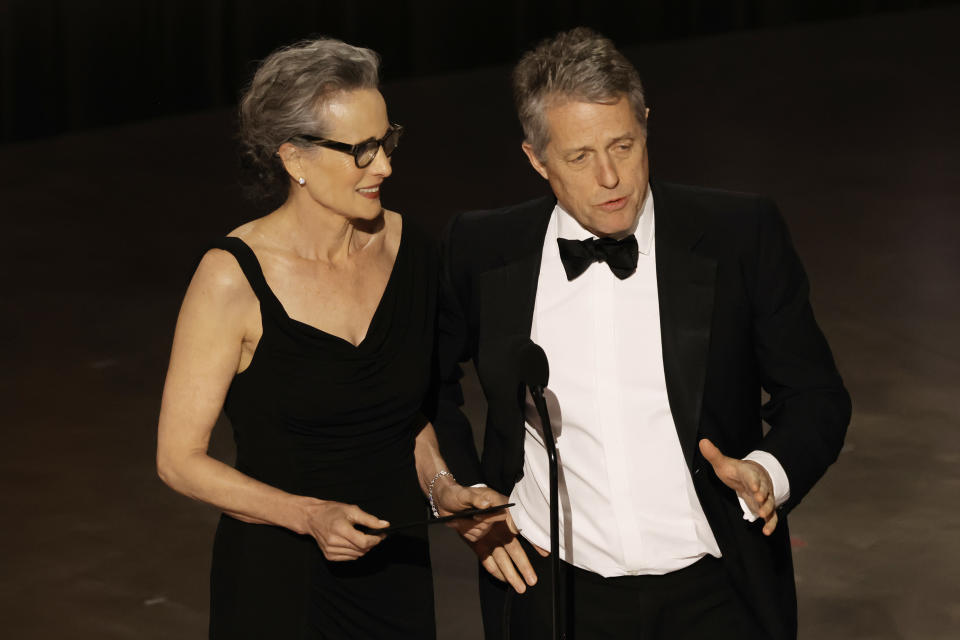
column 314, row 232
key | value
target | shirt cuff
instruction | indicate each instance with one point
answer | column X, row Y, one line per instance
column 781, row 484
column 479, row 485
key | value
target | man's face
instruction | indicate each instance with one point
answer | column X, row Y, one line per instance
column 596, row 163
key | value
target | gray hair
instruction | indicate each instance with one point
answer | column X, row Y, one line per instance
column 285, row 97
column 579, row 64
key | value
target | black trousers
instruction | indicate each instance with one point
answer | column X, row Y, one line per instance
column 692, row 603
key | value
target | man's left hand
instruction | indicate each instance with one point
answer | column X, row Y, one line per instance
column 749, row 479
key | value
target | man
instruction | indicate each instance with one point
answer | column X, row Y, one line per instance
column 663, row 311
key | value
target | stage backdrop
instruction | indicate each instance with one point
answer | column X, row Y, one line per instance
column 75, row 64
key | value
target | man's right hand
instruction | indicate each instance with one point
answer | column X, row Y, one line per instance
column 498, row 545
column 502, row 555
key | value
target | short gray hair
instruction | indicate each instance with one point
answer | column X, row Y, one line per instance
column 579, row 64
column 284, row 99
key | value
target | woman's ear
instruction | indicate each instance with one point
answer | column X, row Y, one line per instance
column 290, row 157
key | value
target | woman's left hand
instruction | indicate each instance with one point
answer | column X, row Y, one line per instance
column 451, row 498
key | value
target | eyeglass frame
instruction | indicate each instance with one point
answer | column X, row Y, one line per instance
column 354, row 149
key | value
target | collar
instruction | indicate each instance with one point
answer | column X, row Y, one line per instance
column 643, row 227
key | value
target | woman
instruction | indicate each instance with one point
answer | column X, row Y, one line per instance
column 313, row 328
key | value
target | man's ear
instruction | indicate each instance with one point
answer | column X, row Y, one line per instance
column 290, row 157
column 538, row 166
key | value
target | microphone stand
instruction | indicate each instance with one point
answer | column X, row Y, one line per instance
column 536, row 392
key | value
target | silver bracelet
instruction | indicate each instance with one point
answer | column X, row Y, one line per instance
column 440, row 474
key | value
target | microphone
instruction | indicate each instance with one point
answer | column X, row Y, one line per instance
column 534, row 371
column 532, row 365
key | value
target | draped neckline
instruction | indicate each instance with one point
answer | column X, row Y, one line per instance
column 316, row 331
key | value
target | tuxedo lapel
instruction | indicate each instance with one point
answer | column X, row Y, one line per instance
column 685, row 283
column 508, row 292
column 507, row 299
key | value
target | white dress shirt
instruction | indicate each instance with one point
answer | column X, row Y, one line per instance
column 627, row 501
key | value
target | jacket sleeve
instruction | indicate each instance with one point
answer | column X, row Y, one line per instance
column 454, row 346
column 809, row 408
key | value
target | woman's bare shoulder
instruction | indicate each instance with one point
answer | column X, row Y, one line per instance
column 220, row 279
column 250, row 231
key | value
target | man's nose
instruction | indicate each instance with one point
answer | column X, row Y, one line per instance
column 607, row 175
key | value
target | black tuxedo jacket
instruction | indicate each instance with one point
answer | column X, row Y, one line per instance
column 735, row 317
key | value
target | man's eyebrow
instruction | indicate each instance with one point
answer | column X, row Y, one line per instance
column 587, row 147
column 567, row 152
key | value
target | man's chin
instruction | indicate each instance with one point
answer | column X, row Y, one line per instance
column 617, row 225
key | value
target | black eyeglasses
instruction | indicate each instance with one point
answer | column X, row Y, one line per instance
column 363, row 152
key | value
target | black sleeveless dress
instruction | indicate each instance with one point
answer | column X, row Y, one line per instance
column 317, row 416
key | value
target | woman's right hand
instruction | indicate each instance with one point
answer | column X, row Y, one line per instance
column 332, row 525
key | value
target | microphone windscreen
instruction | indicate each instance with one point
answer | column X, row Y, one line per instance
column 532, row 364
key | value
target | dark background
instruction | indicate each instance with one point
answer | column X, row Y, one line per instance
column 67, row 65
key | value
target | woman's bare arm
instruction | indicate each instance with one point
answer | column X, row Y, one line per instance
column 450, row 496
column 215, row 319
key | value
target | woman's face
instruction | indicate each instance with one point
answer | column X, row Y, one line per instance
column 331, row 177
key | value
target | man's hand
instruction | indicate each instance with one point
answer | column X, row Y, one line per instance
column 502, row 555
column 493, row 537
column 749, row 479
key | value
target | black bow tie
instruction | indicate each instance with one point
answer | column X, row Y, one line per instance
column 620, row 255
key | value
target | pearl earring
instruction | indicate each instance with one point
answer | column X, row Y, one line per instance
column 301, row 181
